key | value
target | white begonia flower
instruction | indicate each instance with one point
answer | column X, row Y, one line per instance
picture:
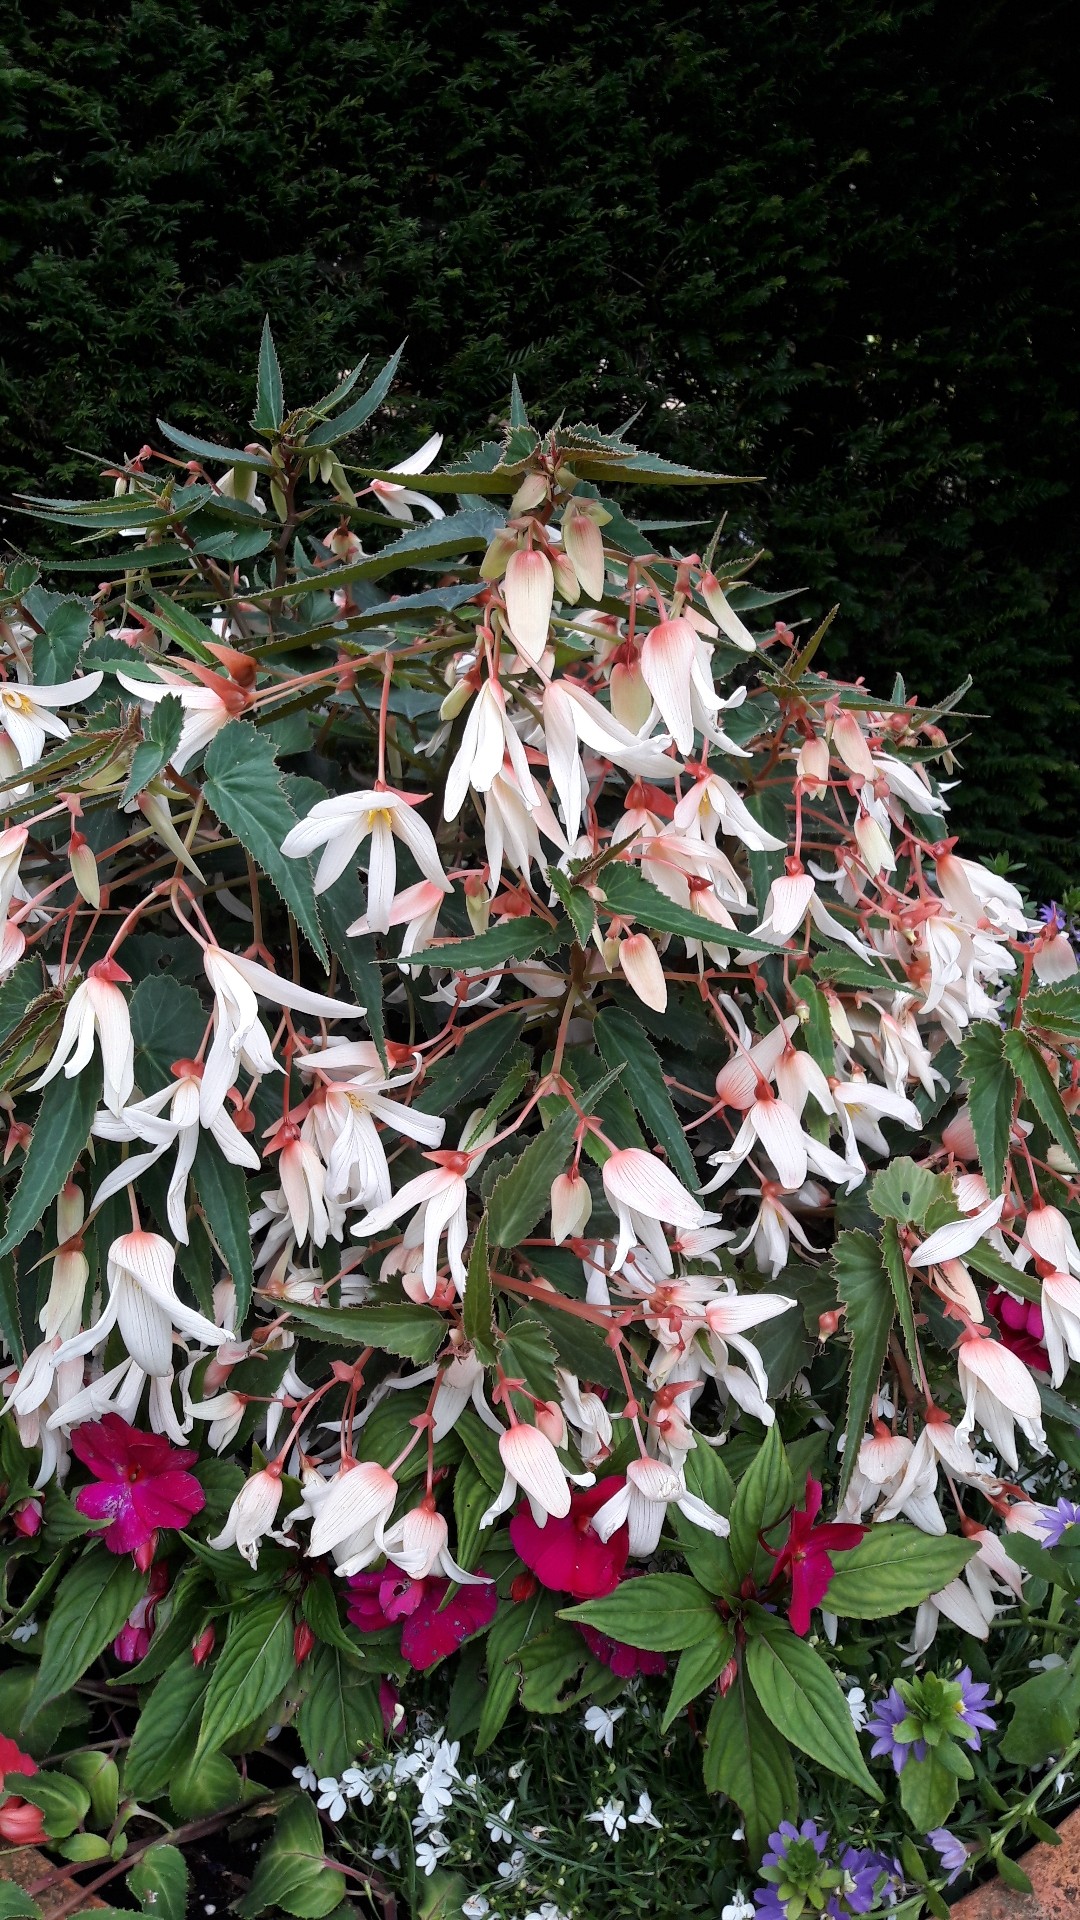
column 251, row 1517
column 398, row 500
column 652, row 1486
column 239, row 1036
column 96, row 1008
column 27, row 716
column 350, row 1513
column 342, row 824
column 144, row 1306
column 643, row 1193
column 146, row 1120
column 999, row 1395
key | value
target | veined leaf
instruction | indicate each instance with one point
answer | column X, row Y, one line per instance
column 765, row 1492
column 159, row 1882
column 57, row 649
column 1037, row 1081
column 222, row 1191
column 339, row 1714
column 243, row 786
column 291, row 1876
column 626, row 891
column 95, row 1597
column 254, row 1666
column 476, row 1308
column 269, row 399
column 479, row 1052
column 896, row 1269
column 804, row 1702
column 414, row 1332
column 523, row 1195
column 863, row 1286
column 991, row 1090
column 60, row 1133
column 698, row 1667
column 749, row 1760
column 1055, row 1009
column 621, row 1038
column 167, row 1730
column 662, row 1612
column 517, row 940
column 905, row 1192
column 209, row 450
column 894, row 1567
column 162, row 739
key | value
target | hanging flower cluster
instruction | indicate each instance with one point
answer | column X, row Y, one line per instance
column 478, row 1056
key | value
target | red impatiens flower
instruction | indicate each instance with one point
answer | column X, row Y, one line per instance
column 21, row 1824
column 1020, row 1325
column 141, row 1482
column 566, row 1554
column 624, row 1661
column 431, row 1629
column 804, row 1556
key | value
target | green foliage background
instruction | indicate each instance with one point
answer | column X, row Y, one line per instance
column 832, row 244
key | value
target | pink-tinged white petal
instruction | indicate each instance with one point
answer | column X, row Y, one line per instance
column 643, row 968
column 1002, row 1373
column 571, row 1206
column 725, row 615
column 958, row 1236
column 529, row 588
column 668, row 657
column 420, row 461
column 849, row 742
column 782, row 1137
column 273, row 986
column 529, row 1457
column 636, row 1179
column 584, row 543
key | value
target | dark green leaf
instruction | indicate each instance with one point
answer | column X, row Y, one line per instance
column 159, row 1882
column 746, row 1758
column 57, row 650
column 339, row 1714
column 1045, row 1716
column 167, row 1024
column 476, row 1308
column 896, row 1268
column 576, row 901
column 1055, row 1010
column 290, row 1875
column 209, row 450
column 520, row 1198
column 928, row 1791
column 1037, row 1081
column 254, row 1666
column 478, row 1053
column 620, row 1038
column 991, row 1088
column 64, row 1803
column 60, row 1134
column 222, row 1193
column 94, row 1599
column 360, row 412
column 864, row 1290
column 167, row 1730
column 269, row 400
column 698, row 1667
column 801, row 1697
column 244, row 789
column 516, row 940
column 905, row 1192
column 203, row 1786
column 764, row 1493
column 626, row 891
column 162, row 739
column 416, row 1333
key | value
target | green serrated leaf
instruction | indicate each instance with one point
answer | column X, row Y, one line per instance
column 1035, row 1077
column 864, row 1290
column 905, row 1192
column 222, row 1192
column 991, row 1089
column 290, row 1876
column 254, row 1666
column 895, row 1267
column 662, row 1612
column 339, row 1714
column 414, row 1332
column 57, row 649
column 626, row 891
column 94, row 1599
column 620, row 1038
column 269, row 398
column 162, row 738
column 749, row 1760
column 802, row 1698
column 520, row 1198
column 61, row 1132
column 159, row 1882
column 517, row 940
column 356, row 416
column 894, row 1567
column 476, row 1307
column 243, row 786
column 576, row 901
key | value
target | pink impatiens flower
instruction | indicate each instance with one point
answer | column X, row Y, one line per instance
column 565, row 1554
column 141, row 1483
column 804, row 1556
column 431, row 1628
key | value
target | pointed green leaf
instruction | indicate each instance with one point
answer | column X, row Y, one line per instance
column 159, row 1882
column 749, row 1760
column 60, row 1134
column 1055, row 1010
column 905, row 1192
column 523, row 1195
column 162, row 739
column 801, row 1697
column 626, row 891
column 621, row 1038
column 253, row 1668
column 209, row 450
column 894, row 1567
column 243, row 786
column 57, row 650
column 414, row 1332
column 517, row 940
column 764, row 1493
column 863, row 1286
column 698, row 1667
column 1037, row 1081
column 476, row 1307
column 290, row 1876
column 94, row 1599
column 662, row 1612
column 896, row 1269
column 339, row 1714
column 991, row 1089
column 269, row 399
column 222, row 1192
column 356, row 416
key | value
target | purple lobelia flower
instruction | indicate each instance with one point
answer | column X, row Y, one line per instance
column 950, row 1851
column 1057, row 1520
column 882, row 1723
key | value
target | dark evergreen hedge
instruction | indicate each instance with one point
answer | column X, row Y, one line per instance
column 828, row 243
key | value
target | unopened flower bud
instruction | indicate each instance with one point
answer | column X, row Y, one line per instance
column 566, row 580
column 849, row 741
column 303, row 1642
column 203, row 1647
column 571, row 1206
column 812, row 767
column 531, row 494
column 477, row 903
column 522, row 1587
column 725, row 615
column 493, row 564
column 456, row 700
column 551, row 1423
column 631, row 701
column 26, row 1518
column 584, row 544
column 143, row 1555
column 84, row 868
column 728, row 1676
column 828, row 1323
column 640, row 963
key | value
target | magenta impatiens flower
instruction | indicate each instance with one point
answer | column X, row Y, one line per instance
column 804, row 1556
column 141, row 1482
column 566, row 1554
column 431, row 1629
